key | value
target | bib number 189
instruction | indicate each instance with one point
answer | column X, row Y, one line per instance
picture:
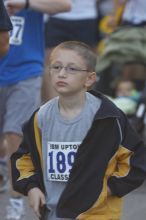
column 60, row 162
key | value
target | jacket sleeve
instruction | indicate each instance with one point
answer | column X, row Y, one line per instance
column 130, row 171
column 26, row 171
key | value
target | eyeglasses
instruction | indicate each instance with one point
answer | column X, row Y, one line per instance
column 55, row 69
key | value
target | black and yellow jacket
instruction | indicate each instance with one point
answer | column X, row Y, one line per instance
column 111, row 154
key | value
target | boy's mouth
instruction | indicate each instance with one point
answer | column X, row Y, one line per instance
column 61, row 83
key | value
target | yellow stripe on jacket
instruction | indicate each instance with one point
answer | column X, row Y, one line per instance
column 109, row 207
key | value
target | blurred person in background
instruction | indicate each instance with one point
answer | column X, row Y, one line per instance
column 21, row 78
column 5, row 27
column 126, row 96
column 125, row 49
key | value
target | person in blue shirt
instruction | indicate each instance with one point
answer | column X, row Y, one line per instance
column 20, row 79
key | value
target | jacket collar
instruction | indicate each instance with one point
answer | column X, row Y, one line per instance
column 107, row 108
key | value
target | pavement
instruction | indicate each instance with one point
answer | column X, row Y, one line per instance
column 134, row 206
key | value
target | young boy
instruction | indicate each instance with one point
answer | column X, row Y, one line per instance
column 79, row 154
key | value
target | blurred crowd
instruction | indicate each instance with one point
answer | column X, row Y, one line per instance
column 115, row 29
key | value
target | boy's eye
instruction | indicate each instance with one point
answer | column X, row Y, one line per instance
column 72, row 69
column 56, row 67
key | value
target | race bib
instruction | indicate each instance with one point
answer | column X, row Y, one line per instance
column 17, row 33
column 60, row 158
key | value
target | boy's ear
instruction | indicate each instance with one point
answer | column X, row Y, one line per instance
column 91, row 79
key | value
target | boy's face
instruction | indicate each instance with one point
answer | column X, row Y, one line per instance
column 69, row 72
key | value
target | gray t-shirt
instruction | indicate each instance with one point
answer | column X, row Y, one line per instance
column 60, row 140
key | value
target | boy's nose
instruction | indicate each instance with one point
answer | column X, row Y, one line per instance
column 62, row 72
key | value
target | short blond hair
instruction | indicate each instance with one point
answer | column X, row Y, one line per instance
column 85, row 51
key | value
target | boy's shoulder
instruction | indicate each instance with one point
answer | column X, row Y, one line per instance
column 49, row 104
column 46, row 108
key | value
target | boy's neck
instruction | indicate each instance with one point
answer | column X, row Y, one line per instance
column 71, row 106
